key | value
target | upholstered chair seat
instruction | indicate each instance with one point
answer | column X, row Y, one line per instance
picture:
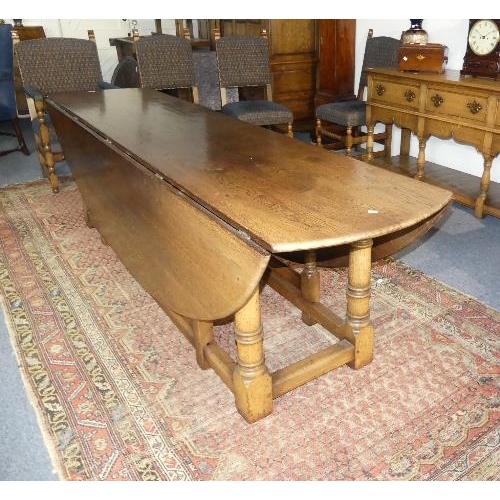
column 348, row 113
column 380, row 51
column 259, row 112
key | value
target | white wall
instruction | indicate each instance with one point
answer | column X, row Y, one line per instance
column 453, row 34
column 449, row 32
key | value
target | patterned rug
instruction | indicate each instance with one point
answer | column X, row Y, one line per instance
column 120, row 396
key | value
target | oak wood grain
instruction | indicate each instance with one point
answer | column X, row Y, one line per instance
column 285, row 194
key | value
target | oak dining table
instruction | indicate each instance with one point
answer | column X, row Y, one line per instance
column 203, row 210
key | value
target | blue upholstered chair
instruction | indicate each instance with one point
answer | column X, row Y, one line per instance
column 350, row 115
column 8, row 109
column 48, row 66
column 243, row 61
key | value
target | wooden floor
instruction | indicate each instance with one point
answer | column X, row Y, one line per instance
column 465, row 187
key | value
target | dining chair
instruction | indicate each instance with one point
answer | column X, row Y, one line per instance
column 8, row 108
column 342, row 120
column 165, row 62
column 48, row 66
column 243, row 61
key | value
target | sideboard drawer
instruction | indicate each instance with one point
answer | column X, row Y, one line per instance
column 401, row 95
column 468, row 107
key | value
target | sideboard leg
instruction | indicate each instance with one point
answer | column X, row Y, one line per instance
column 388, row 140
column 421, row 158
column 358, row 302
column 485, row 184
column 404, row 148
column 310, row 284
column 252, row 383
column 369, row 143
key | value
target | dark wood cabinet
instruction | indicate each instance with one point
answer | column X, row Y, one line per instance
column 336, row 58
column 293, row 59
column 312, row 60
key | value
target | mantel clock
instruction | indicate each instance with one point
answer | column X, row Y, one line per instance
column 482, row 56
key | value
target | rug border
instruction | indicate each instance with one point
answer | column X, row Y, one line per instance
column 56, row 462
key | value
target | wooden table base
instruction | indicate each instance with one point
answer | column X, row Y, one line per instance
column 253, row 386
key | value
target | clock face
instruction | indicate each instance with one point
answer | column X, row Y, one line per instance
column 483, row 37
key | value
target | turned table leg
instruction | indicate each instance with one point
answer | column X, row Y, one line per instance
column 252, row 383
column 358, row 302
column 310, row 284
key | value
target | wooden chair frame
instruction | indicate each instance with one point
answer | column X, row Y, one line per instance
column 353, row 136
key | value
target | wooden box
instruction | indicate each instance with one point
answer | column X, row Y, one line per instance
column 430, row 57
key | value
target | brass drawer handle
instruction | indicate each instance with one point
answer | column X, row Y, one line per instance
column 380, row 89
column 474, row 107
column 437, row 100
column 410, row 95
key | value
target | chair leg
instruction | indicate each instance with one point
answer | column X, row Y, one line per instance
column 47, row 156
column 20, row 137
column 318, row 132
column 348, row 141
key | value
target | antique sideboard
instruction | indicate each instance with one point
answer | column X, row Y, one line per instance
column 447, row 106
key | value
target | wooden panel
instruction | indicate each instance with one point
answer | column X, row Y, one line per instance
column 292, row 47
column 443, row 102
column 293, row 83
column 292, row 36
column 404, row 95
column 456, row 131
column 390, row 115
column 240, row 27
column 211, row 270
column 336, row 53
